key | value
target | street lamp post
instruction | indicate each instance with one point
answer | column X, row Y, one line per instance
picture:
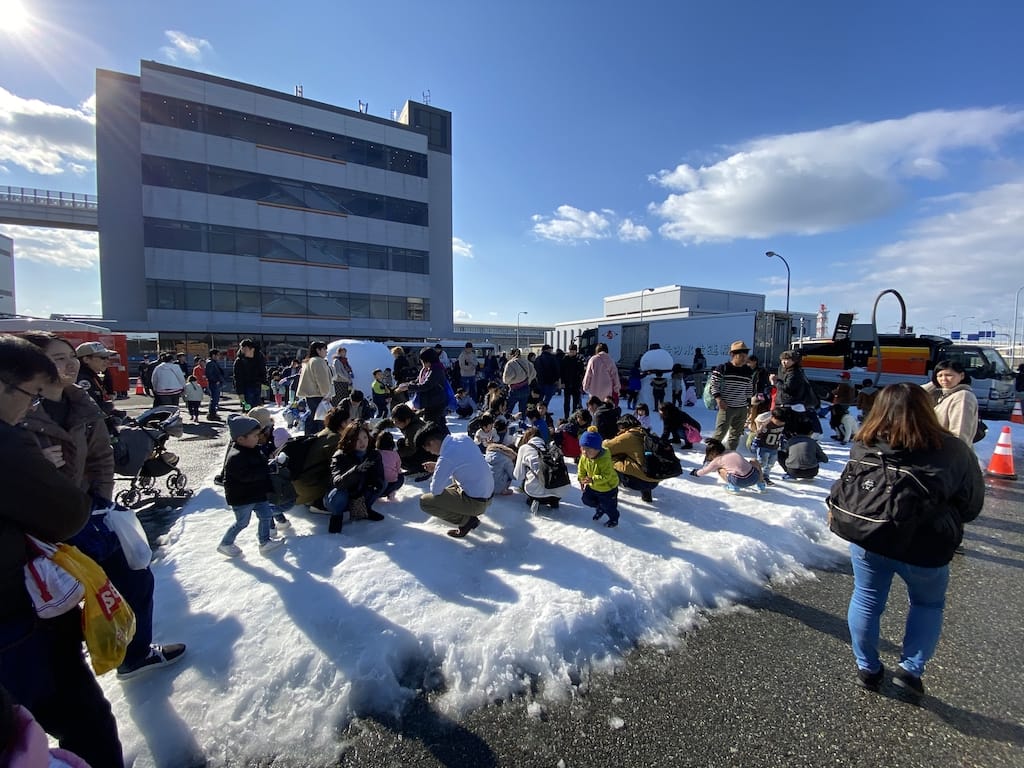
column 1013, row 341
column 518, row 315
column 770, row 254
column 645, row 290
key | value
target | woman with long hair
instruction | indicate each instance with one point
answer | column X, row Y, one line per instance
column 357, row 474
column 956, row 406
column 903, row 435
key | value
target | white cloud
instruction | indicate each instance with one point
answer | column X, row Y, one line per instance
column 631, row 233
column 963, row 259
column 573, row 225
column 460, row 315
column 60, row 247
column 820, row 181
column 47, row 138
column 461, row 248
column 184, row 46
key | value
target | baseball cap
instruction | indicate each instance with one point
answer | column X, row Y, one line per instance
column 93, row 348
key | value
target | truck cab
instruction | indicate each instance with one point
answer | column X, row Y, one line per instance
column 991, row 378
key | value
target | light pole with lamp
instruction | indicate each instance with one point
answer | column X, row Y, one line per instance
column 964, row 330
column 950, row 328
column 1016, row 314
column 770, row 254
column 518, row 315
column 645, row 290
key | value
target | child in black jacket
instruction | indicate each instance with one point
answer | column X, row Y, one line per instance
column 246, row 485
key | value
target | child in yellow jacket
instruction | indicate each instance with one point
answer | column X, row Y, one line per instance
column 598, row 478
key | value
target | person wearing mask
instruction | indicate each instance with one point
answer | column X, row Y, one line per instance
column 41, row 660
column 342, row 374
column 902, row 431
column 95, row 359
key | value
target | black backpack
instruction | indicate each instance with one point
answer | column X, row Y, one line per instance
column 660, row 460
column 553, row 472
column 297, row 449
column 878, row 504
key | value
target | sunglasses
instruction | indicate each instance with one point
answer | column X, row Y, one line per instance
column 36, row 397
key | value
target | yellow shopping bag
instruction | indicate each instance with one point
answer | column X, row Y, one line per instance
column 108, row 622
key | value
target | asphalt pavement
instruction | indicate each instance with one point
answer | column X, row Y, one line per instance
column 771, row 683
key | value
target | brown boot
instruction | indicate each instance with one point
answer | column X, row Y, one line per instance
column 462, row 530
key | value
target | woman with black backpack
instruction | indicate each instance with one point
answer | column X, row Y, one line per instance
column 902, row 502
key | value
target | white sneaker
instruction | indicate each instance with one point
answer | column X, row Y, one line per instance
column 229, row 550
column 270, row 545
column 535, row 506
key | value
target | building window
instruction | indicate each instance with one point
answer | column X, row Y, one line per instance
column 290, row 302
column 213, row 238
column 216, row 121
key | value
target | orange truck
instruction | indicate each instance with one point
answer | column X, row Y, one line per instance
column 79, row 333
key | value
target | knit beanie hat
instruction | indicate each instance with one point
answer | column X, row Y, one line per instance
column 281, row 436
column 591, row 439
column 240, row 426
column 262, row 415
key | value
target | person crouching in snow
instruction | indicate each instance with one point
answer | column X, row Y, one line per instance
column 462, row 485
column 735, row 470
column 627, row 450
column 598, row 478
column 528, row 472
column 357, row 477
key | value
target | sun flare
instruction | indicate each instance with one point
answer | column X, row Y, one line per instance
column 14, row 17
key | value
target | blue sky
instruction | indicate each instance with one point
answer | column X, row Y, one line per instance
column 605, row 147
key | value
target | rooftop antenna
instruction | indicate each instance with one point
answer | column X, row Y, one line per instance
column 364, row 106
column 426, row 96
column 298, row 91
column 394, row 115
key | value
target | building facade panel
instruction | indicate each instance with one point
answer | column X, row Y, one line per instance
column 258, row 212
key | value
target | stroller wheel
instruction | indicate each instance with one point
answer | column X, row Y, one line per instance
column 177, row 483
column 129, row 497
column 144, row 482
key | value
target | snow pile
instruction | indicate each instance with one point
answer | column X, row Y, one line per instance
column 284, row 650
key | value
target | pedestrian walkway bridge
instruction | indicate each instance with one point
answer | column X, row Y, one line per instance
column 45, row 208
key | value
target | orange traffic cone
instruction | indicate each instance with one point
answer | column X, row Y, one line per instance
column 1002, row 458
column 1017, row 417
column 139, row 389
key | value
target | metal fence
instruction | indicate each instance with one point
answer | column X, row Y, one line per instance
column 48, row 197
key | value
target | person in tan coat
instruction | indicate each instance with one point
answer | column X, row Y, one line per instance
column 956, row 406
column 627, row 450
column 315, row 383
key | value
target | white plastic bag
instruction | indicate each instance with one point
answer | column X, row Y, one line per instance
column 126, row 526
column 322, row 410
column 53, row 590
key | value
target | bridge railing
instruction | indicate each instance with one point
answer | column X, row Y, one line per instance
column 48, row 197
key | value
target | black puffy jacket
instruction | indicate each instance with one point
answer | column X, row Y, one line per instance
column 246, row 476
column 953, row 477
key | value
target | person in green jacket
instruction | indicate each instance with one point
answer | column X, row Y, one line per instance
column 598, row 478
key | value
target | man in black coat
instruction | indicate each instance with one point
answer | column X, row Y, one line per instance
column 546, row 366
column 571, row 371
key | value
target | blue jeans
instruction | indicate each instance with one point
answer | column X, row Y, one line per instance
column 214, row 398
column 337, row 499
column 251, row 395
column 872, row 578
column 605, row 502
column 469, row 384
column 243, row 512
column 766, row 458
column 518, row 397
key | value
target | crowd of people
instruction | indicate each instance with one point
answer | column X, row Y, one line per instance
column 353, row 454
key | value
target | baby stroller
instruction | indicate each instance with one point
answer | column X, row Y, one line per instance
column 140, row 453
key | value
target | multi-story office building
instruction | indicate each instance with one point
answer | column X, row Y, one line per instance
column 7, row 302
column 229, row 210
